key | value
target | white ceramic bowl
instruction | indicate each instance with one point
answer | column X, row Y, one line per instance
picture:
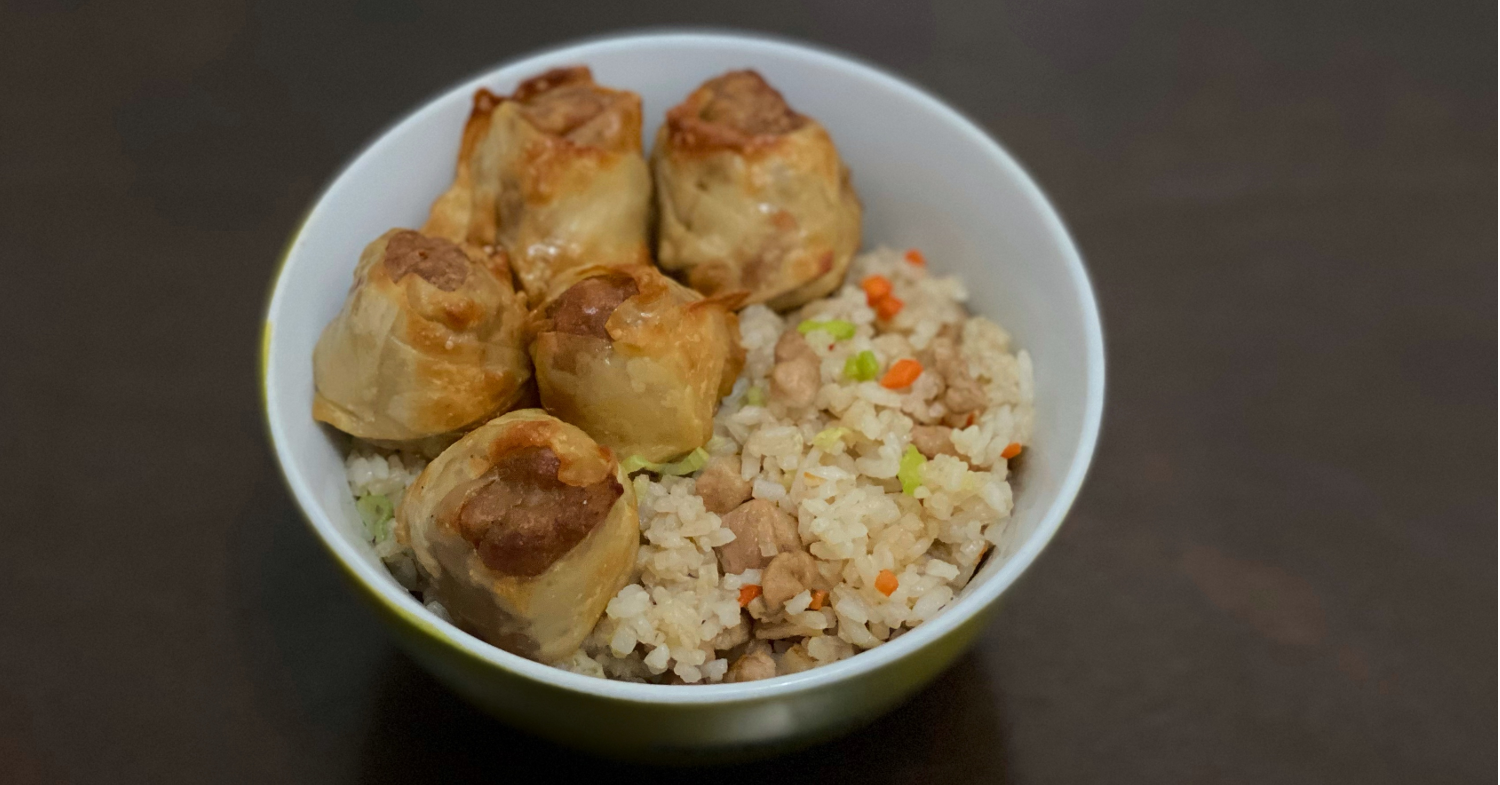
column 928, row 178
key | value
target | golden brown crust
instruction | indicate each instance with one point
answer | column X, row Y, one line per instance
column 738, row 110
column 580, row 464
column 441, row 262
column 484, row 103
column 465, row 212
column 737, row 354
column 548, row 81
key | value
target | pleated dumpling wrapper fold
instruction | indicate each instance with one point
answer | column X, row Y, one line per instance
column 554, row 175
column 636, row 359
column 752, row 195
column 430, row 341
column 527, row 528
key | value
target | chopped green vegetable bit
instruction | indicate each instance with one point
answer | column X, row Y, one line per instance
column 692, row 462
column 851, row 367
column 829, row 438
column 755, row 396
column 636, row 463
column 375, row 510
column 862, row 367
column 910, row 472
column 838, row 328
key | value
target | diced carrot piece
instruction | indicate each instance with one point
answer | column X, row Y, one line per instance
column 877, row 288
column 901, row 374
column 915, row 257
column 888, row 308
column 817, row 600
column 748, row 594
column 1011, row 450
column 886, row 583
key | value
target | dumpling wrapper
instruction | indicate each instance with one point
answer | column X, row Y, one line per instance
column 429, row 342
column 636, row 359
column 554, row 175
column 752, row 195
column 526, row 528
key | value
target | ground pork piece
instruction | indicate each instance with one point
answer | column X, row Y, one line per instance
column 964, row 393
column 721, row 485
column 751, row 667
column 587, row 305
column 757, row 523
column 730, row 637
column 795, row 383
column 960, row 420
column 793, row 346
column 788, row 575
column 933, row 440
column 794, row 660
column 795, row 378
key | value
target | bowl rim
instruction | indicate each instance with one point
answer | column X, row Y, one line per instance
column 402, row 605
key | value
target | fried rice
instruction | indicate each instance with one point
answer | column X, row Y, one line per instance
column 897, row 535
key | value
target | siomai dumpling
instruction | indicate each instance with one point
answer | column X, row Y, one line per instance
column 636, row 359
column 526, row 528
column 554, row 175
column 429, row 342
column 752, row 195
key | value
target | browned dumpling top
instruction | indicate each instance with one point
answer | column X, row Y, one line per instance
column 733, row 110
column 554, row 176
column 429, row 342
column 567, row 103
column 752, row 195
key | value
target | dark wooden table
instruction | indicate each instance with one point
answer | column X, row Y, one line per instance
column 1282, row 568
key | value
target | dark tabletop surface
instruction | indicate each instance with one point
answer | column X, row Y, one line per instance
column 1281, row 569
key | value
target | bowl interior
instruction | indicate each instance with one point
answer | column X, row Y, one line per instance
column 928, row 179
